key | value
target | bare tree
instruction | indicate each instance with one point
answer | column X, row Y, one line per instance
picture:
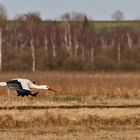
column 67, row 38
column 118, row 15
column 33, row 22
column 66, row 16
column 53, row 41
column 3, row 16
column 3, row 12
column 74, row 16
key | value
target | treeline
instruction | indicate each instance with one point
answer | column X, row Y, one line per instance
column 28, row 43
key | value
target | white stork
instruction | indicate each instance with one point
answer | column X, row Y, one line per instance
column 24, row 86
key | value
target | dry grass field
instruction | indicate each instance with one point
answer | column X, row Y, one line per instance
column 81, row 124
column 123, row 85
column 76, row 88
column 66, row 124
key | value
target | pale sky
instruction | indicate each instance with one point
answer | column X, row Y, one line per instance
column 53, row 9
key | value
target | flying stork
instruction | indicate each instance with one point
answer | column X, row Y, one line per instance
column 23, row 86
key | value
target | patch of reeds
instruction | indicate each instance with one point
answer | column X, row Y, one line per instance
column 120, row 85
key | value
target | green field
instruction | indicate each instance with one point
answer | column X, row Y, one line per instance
column 113, row 24
column 109, row 25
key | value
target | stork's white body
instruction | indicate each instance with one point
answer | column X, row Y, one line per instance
column 28, row 84
column 24, row 86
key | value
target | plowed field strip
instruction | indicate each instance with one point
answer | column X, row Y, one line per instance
column 67, row 107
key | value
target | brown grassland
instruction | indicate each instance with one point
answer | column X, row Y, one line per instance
column 73, row 89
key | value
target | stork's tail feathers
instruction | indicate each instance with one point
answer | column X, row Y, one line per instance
column 3, row 84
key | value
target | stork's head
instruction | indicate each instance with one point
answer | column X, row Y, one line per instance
column 48, row 88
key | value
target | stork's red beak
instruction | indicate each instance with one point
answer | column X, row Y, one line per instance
column 51, row 89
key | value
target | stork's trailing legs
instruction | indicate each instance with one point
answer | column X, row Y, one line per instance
column 26, row 94
column 34, row 94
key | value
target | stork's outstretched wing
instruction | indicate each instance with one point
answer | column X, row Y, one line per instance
column 14, row 84
column 21, row 88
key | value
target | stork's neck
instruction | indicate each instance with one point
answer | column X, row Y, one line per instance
column 39, row 86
